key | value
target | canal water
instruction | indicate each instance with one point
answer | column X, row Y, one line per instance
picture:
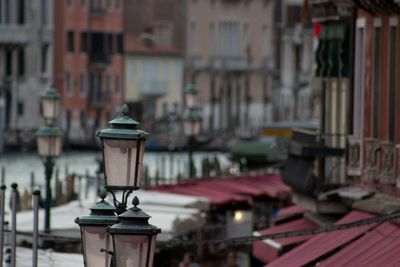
column 19, row 166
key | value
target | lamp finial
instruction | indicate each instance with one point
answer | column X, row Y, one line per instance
column 124, row 110
column 135, row 201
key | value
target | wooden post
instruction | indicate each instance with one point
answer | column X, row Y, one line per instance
column 32, row 181
column 87, row 184
column 3, row 175
column 171, row 167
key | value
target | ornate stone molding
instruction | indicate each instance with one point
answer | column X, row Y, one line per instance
column 387, row 171
column 354, row 156
column 372, row 158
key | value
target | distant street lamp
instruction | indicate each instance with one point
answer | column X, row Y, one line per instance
column 191, row 123
column 133, row 237
column 49, row 143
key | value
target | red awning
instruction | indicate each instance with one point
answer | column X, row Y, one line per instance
column 289, row 212
column 379, row 247
column 225, row 191
column 324, row 243
column 268, row 250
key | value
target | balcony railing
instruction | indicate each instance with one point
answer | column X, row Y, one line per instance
column 195, row 63
column 153, row 88
column 97, row 11
column 354, row 155
column 230, row 63
column 14, row 34
column 99, row 59
column 372, row 151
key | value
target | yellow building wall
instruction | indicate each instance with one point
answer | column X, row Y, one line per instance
column 165, row 69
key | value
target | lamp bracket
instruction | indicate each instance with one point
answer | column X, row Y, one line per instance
column 123, row 204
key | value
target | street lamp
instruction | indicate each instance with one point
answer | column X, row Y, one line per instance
column 191, row 92
column 123, row 150
column 134, row 239
column 191, row 122
column 95, row 237
column 49, row 144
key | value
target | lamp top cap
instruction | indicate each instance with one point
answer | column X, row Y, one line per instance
column 191, row 89
column 124, row 119
column 101, row 213
column 51, row 93
column 123, row 127
column 134, row 222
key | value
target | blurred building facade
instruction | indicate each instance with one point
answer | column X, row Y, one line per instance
column 357, row 153
column 230, row 56
column 251, row 61
column 25, row 66
column 292, row 96
column 88, row 64
column 153, row 78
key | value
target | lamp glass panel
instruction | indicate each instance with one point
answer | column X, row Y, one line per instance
column 49, row 146
column 50, row 108
column 133, row 250
column 120, row 158
column 94, row 239
column 191, row 128
column 196, row 127
column 190, row 100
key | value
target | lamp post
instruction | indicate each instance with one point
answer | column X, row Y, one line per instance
column 133, row 238
column 49, row 143
column 191, row 123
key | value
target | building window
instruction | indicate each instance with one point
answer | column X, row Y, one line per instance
column 229, row 35
column 21, row 62
column 69, row 3
column 82, row 84
column 8, row 62
column 82, row 119
column 110, row 43
column 20, row 108
column 7, row 11
column 84, row 42
column 265, row 41
column 83, row 3
column 21, row 12
column 109, row 4
column 392, row 82
column 44, row 12
column 68, row 83
column 246, row 37
column 163, row 32
column 70, row 41
column 108, row 87
column 193, row 38
column 376, row 83
column 212, row 39
column 117, row 84
column 117, row 3
column 45, row 49
column 120, row 43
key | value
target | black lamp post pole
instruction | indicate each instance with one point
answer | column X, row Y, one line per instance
column 48, row 166
column 190, row 153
